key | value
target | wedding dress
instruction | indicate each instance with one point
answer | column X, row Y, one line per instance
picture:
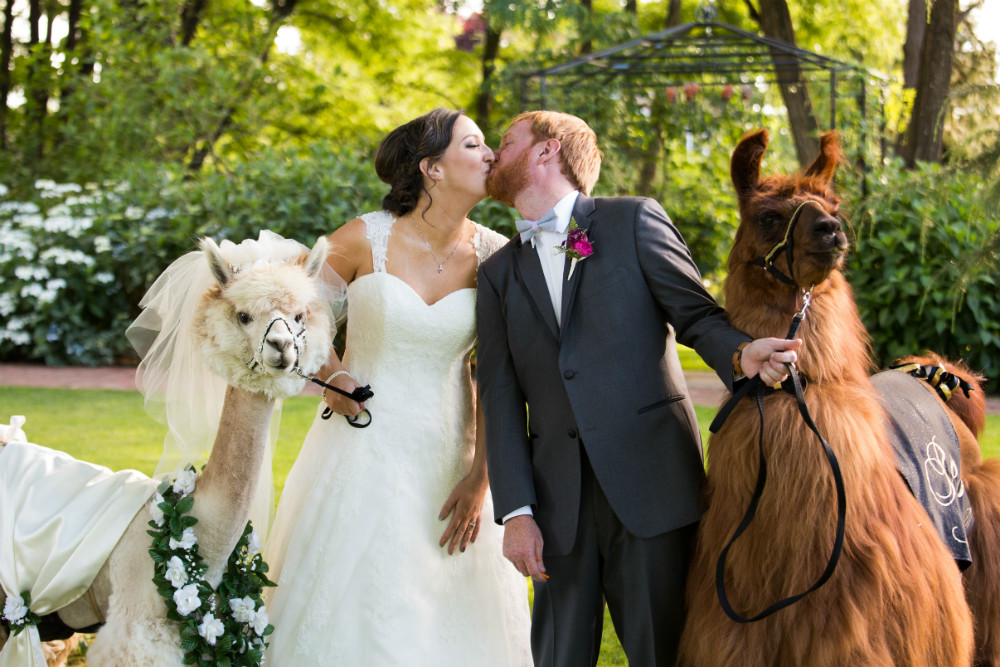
column 361, row 578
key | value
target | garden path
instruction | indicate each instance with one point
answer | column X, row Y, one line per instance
column 704, row 387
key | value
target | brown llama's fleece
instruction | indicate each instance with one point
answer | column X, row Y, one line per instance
column 982, row 483
column 896, row 597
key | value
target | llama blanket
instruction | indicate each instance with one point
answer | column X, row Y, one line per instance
column 59, row 520
column 928, row 456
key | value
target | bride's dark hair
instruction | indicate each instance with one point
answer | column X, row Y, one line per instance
column 397, row 160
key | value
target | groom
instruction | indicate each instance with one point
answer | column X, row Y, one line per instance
column 598, row 482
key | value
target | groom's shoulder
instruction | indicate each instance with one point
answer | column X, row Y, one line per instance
column 626, row 203
column 501, row 257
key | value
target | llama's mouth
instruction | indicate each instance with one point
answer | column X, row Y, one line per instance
column 279, row 362
column 833, row 253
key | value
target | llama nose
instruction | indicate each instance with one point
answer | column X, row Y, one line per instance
column 279, row 343
column 827, row 227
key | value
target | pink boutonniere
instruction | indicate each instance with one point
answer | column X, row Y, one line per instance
column 576, row 246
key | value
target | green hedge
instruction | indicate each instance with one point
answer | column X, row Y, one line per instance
column 919, row 279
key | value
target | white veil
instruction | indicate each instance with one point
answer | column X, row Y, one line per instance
column 178, row 387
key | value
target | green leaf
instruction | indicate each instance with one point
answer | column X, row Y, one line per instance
column 184, row 505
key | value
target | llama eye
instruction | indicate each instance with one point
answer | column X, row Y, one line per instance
column 769, row 220
column 244, row 318
column 300, row 317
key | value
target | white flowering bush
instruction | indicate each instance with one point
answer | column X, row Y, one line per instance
column 75, row 260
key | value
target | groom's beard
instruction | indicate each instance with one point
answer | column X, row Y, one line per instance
column 504, row 183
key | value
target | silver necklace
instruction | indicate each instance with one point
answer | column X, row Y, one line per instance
column 431, row 250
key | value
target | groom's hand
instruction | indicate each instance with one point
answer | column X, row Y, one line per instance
column 522, row 546
column 768, row 356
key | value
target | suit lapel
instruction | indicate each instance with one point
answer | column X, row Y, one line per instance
column 583, row 213
column 528, row 269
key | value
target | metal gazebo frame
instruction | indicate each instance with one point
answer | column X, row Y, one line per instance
column 708, row 53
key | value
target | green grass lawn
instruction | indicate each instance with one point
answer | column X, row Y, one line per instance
column 110, row 428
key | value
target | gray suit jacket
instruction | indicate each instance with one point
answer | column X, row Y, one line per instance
column 609, row 376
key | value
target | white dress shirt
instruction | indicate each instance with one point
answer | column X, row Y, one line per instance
column 553, row 264
column 553, row 261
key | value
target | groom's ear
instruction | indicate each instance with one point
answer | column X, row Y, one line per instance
column 548, row 150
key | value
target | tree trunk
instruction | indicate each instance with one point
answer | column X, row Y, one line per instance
column 673, row 14
column 190, row 17
column 74, row 40
column 36, row 89
column 484, row 101
column 924, row 138
column 652, row 157
column 776, row 22
column 6, row 54
column 916, row 28
column 587, row 45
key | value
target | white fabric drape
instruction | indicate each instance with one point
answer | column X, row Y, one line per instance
column 59, row 521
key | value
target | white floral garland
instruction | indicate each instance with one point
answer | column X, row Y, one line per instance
column 225, row 626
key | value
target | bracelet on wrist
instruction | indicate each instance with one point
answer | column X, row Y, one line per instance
column 330, row 379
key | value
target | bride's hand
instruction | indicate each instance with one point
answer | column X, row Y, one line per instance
column 341, row 404
column 465, row 506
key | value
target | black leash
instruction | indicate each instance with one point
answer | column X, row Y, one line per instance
column 358, row 395
column 755, row 387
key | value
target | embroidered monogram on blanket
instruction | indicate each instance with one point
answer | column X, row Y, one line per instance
column 928, row 456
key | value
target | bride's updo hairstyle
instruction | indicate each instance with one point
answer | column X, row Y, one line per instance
column 397, row 160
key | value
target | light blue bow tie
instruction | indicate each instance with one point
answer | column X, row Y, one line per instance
column 528, row 228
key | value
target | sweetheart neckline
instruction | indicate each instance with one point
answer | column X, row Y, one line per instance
column 411, row 289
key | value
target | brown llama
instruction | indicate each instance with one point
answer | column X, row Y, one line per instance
column 896, row 595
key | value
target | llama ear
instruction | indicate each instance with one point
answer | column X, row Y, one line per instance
column 744, row 167
column 317, row 256
column 220, row 270
column 829, row 155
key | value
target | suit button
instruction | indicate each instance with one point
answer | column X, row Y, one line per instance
column 569, row 375
column 571, row 433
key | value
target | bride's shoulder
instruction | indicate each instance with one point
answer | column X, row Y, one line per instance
column 488, row 241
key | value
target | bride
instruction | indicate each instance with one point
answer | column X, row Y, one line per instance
column 384, row 548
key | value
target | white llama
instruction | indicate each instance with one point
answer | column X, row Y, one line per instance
column 262, row 323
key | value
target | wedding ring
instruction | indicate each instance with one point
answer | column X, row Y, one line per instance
column 472, row 524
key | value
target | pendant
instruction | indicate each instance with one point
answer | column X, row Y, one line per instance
column 441, row 269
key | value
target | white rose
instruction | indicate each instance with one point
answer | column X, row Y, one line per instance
column 187, row 540
column 14, row 609
column 211, row 628
column 243, row 610
column 187, row 599
column 176, row 574
column 155, row 511
column 259, row 621
column 184, row 482
column 253, row 543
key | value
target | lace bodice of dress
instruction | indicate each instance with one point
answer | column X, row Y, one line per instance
column 391, row 327
column 379, row 223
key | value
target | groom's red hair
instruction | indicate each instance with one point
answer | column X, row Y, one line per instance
column 581, row 158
